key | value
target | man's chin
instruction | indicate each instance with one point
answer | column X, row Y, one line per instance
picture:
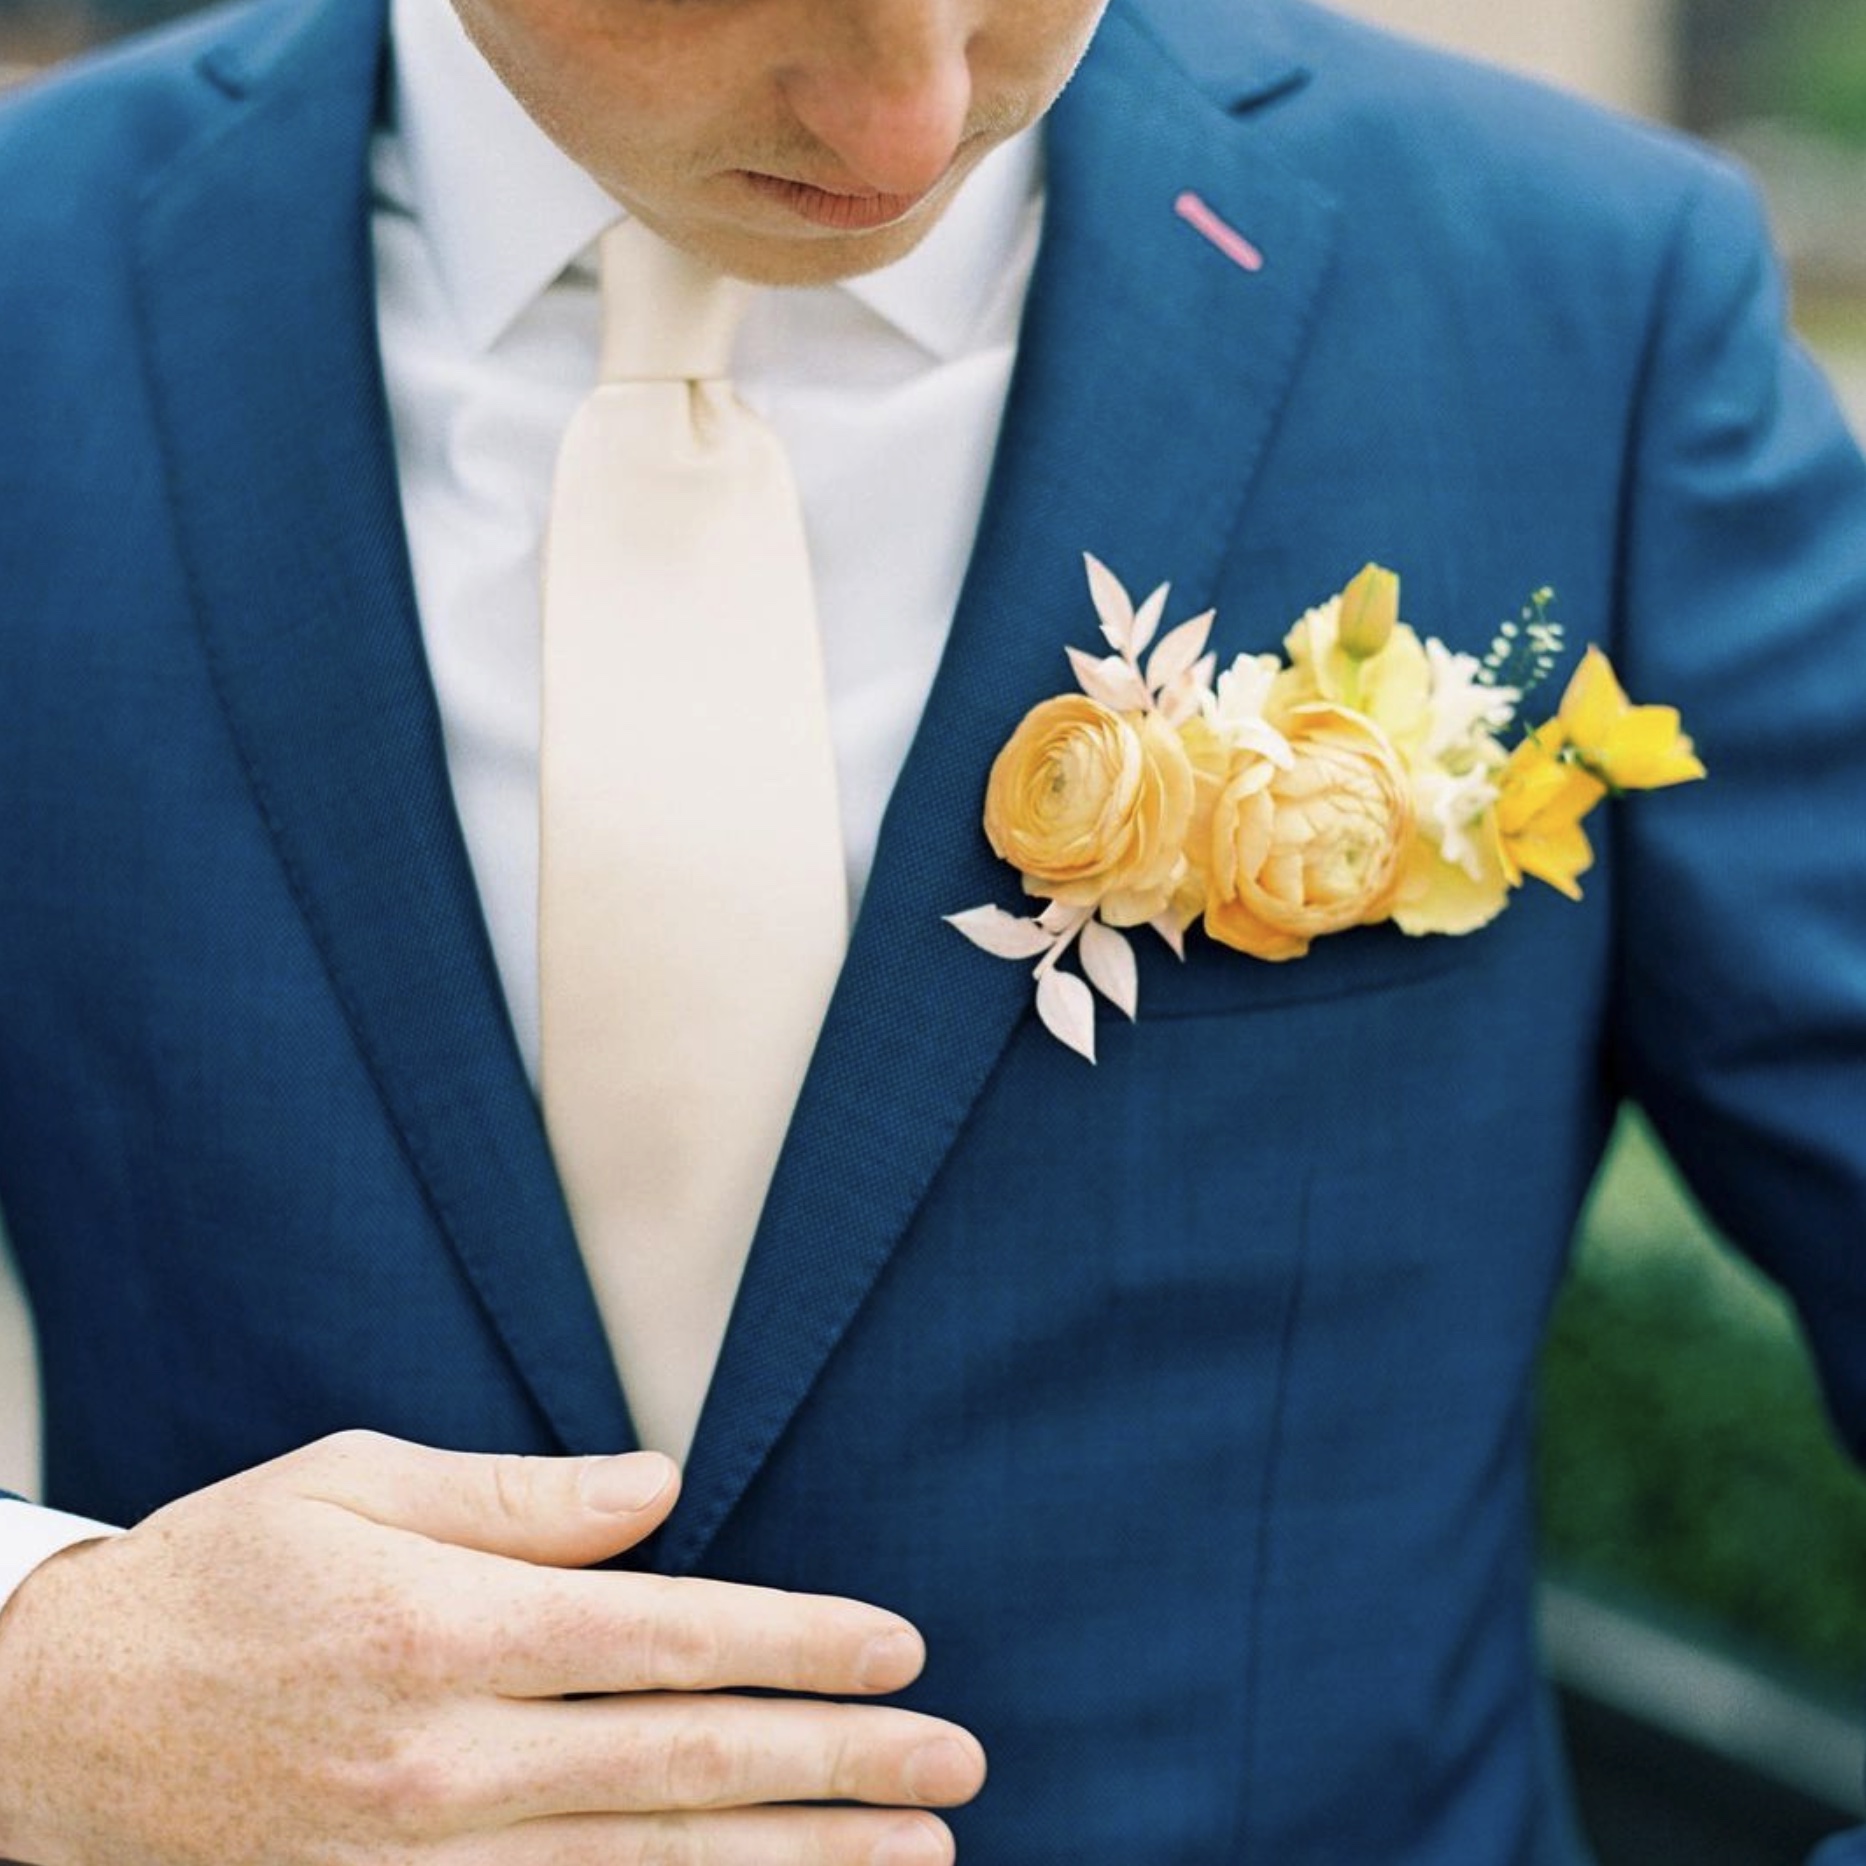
column 812, row 255
column 825, row 260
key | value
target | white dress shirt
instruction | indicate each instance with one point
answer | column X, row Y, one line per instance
column 887, row 392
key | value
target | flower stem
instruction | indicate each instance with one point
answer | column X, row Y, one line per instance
column 1064, row 940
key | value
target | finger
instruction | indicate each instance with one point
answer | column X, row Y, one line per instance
column 742, row 1837
column 651, row 1754
column 562, row 1512
column 606, row 1633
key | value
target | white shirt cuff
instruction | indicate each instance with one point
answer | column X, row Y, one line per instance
column 30, row 1536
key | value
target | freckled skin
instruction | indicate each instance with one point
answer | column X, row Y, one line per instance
column 362, row 1655
column 668, row 102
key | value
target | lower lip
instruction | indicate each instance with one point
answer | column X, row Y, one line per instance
column 844, row 213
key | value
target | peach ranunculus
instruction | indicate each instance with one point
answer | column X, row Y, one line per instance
column 1213, row 756
column 1091, row 806
column 1441, row 714
column 1313, row 848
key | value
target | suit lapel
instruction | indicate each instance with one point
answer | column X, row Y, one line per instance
column 258, row 319
column 1151, row 369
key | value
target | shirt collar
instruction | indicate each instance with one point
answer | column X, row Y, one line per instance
column 505, row 211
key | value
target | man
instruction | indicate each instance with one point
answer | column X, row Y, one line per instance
column 1181, row 1404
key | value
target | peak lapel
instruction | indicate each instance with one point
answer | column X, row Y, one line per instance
column 1151, row 369
column 258, row 305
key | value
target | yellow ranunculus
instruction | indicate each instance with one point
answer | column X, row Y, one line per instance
column 1455, row 878
column 1437, row 896
column 1092, row 807
column 1297, row 853
column 1542, row 800
column 1629, row 747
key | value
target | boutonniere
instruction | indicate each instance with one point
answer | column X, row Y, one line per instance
column 1368, row 777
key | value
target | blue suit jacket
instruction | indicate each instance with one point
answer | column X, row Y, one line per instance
column 1185, row 1401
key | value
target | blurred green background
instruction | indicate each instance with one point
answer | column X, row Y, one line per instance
column 1686, row 1458
column 1803, row 60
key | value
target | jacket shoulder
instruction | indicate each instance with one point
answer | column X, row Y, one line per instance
column 79, row 146
column 1503, row 154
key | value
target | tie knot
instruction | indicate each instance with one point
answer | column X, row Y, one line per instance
column 666, row 317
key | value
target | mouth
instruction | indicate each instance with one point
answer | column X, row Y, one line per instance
column 852, row 212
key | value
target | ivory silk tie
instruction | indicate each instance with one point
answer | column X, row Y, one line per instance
column 693, row 908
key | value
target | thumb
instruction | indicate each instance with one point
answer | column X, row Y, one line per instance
column 558, row 1512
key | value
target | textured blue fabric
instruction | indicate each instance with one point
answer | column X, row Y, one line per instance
column 1185, row 1401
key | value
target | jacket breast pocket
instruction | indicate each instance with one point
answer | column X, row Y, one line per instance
column 1215, row 981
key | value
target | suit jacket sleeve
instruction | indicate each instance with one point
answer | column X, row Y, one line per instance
column 1742, row 900
column 1742, row 1017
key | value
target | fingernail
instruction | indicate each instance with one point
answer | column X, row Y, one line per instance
column 941, row 1771
column 620, row 1486
column 888, row 1661
column 913, row 1843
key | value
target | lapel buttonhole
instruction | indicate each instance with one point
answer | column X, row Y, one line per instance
column 1200, row 218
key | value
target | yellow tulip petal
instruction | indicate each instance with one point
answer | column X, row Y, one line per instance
column 1369, row 611
column 1542, row 801
column 1595, row 700
column 1630, row 747
column 1647, row 750
column 1556, row 854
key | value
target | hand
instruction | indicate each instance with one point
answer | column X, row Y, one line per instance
column 361, row 1653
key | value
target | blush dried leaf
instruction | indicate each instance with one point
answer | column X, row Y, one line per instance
column 1179, row 651
column 1173, row 933
column 1180, row 701
column 1067, row 1008
column 1002, row 935
column 1147, row 619
column 1111, row 681
column 1109, row 961
column 1112, row 604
